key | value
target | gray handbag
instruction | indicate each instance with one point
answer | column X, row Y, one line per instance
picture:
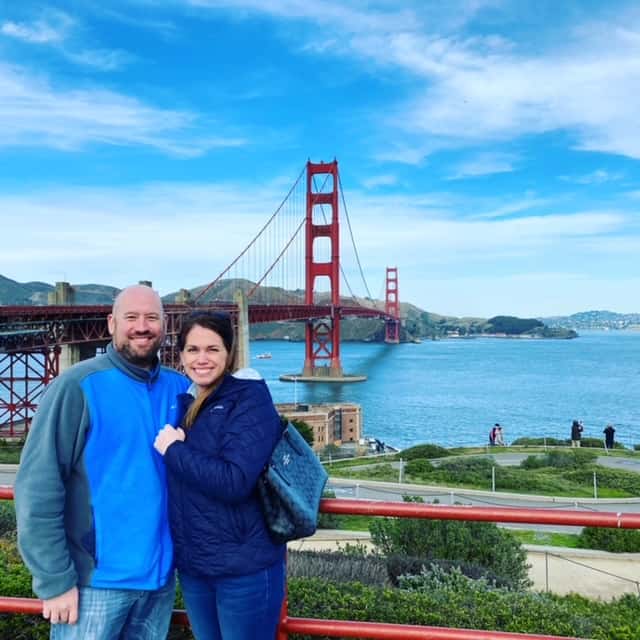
column 290, row 488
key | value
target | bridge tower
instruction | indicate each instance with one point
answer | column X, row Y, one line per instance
column 392, row 307
column 322, row 337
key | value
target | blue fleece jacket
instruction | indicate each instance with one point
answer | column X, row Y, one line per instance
column 217, row 525
column 91, row 499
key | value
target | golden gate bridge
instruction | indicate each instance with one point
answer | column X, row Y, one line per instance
column 290, row 271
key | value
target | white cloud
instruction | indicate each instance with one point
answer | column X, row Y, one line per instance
column 174, row 235
column 32, row 112
column 599, row 176
column 39, row 32
column 484, row 164
column 385, row 180
column 470, row 88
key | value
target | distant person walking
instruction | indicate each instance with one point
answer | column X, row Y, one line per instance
column 609, row 432
column 499, row 436
column 576, row 433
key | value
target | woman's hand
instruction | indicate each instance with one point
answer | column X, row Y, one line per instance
column 166, row 437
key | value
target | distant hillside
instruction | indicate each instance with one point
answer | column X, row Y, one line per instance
column 595, row 320
column 36, row 293
column 417, row 323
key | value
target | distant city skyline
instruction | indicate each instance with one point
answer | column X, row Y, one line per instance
column 488, row 150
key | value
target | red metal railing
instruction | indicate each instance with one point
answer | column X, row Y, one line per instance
column 378, row 630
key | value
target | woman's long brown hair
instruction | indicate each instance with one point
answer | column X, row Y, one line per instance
column 219, row 323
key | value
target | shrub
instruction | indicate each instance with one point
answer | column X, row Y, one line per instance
column 480, row 543
column 469, row 607
column 338, row 567
column 614, row 540
column 7, row 518
column 539, row 442
column 424, row 451
column 398, row 566
column 618, row 479
column 592, row 443
column 534, row 462
column 304, row 430
column 559, row 459
column 419, row 467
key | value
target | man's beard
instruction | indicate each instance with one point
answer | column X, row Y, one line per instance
column 146, row 361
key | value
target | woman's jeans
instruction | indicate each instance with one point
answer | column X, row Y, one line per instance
column 235, row 607
column 125, row 614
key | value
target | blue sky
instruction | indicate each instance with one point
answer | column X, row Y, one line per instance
column 488, row 149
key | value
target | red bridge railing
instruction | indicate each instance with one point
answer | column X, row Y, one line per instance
column 378, row 630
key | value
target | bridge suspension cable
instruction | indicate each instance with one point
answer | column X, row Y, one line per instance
column 234, row 263
column 353, row 242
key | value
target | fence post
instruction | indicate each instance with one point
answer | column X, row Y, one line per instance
column 401, row 469
column 595, row 485
column 546, row 571
column 493, row 479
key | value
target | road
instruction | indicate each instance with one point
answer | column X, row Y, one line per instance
column 390, row 491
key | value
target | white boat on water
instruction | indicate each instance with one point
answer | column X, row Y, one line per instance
column 264, row 356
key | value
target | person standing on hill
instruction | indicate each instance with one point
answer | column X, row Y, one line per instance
column 91, row 495
column 493, row 432
column 499, row 437
column 576, row 433
column 609, row 432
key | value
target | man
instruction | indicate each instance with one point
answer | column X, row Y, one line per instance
column 91, row 500
column 576, row 433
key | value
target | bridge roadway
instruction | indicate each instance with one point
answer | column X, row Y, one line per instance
column 32, row 327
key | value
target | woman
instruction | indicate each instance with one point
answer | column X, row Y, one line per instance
column 231, row 573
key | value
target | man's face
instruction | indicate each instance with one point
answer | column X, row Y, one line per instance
column 137, row 325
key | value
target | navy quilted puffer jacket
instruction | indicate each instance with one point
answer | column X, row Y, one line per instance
column 216, row 522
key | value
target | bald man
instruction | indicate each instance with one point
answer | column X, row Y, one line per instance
column 91, row 501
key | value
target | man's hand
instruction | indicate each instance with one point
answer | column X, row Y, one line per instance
column 166, row 437
column 62, row 608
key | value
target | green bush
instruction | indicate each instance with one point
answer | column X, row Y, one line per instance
column 424, row 451
column 618, row 479
column 7, row 518
column 540, row 442
column 614, row 540
column 479, row 543
column 559, row 459
column 400, row 565
column 592, row 443
column 419, row 467
column 469, row 607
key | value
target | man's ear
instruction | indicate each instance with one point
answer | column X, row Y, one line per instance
column 110, row 324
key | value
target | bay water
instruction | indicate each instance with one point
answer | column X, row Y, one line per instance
column 450, row 392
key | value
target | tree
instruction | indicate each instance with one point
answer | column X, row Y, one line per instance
column 304, row 430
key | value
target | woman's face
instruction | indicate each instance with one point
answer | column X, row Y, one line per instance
column 204, row 357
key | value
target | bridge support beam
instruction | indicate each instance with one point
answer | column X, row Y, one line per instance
column 242, row 330
column 392, row 307
column 23, row 378
column 73, row 353
column 322, row 336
